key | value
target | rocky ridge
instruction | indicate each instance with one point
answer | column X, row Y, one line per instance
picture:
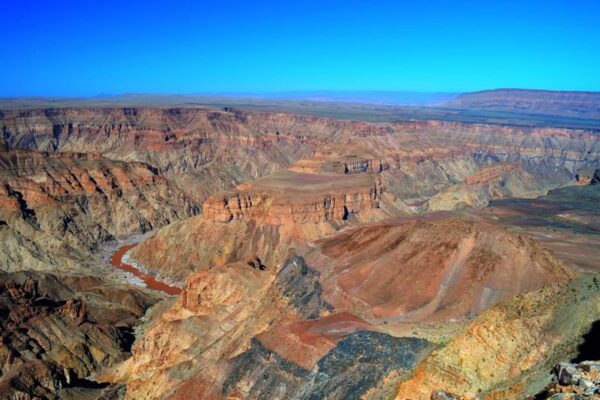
column 268, row 218
column 498, row 181
column 289, row 293
column 414, row 270
column 296, row 199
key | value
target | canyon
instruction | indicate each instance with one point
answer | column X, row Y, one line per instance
column 176, row 252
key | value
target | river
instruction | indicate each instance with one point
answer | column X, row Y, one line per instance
column 116, row 260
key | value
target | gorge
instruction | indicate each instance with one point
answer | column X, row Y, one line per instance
column 175, row 252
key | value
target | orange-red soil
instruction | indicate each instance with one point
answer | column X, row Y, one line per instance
column 306, row 342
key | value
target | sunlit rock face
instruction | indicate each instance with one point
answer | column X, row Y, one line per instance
column 349, row 292
column 509, row 350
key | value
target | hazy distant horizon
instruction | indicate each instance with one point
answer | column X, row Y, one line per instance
column 367, row 97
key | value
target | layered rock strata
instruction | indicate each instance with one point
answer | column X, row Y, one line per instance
column 241, row 331
column 205, row 150
column 296, row 199
column 58, row 208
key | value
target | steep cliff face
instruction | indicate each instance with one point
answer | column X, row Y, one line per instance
column 297, row 199
column 186, row 353
column 450, row 165
column 201, row 150
column 59, row 331
column 327, row 161
column 214, row 319
column 251, row 321
column 508, row 351
column 267, row 218
column 58, row 208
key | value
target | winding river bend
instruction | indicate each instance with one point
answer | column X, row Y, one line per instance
column 116, row 260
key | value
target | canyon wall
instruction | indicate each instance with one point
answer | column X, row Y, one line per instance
column 293, row 285
column 58, row 208
column 203, row 150
column 296, row 199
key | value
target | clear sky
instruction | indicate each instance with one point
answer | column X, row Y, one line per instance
column 83, row 48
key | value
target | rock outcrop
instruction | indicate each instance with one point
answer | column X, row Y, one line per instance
column 214, row 319
column 197, row 244
column 574, row 381
column 508, row 350
column 499, row 181
column 296, row 199
column 267, row 218
column 294, row 287
column 356, row 365
column 286, row 323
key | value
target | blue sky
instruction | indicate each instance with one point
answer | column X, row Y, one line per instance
column 84, row 48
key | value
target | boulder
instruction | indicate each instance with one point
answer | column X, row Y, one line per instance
column 567, row 374
column 441, row 395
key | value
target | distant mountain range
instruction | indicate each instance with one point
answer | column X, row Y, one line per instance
column 369, row 97
column 524, row 101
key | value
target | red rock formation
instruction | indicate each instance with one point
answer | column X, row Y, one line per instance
column 266, row 218
column 295, row 198
column 306, row 342
column 56, row 209
column 430, row 270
